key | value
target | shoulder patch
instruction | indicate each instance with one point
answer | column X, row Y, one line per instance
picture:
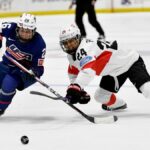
column 85, row 60
column 40, row 62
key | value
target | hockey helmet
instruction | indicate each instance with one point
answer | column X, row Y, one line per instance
column 70, row 39
column 27, row 21
column 26, row 27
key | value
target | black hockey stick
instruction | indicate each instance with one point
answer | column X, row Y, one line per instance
column 106, row 119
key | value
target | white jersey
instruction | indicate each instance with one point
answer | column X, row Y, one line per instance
column 98, row 58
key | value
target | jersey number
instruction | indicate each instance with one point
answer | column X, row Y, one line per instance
column 6, row 25
column 81, row 54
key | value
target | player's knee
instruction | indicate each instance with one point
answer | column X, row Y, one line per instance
column 102, row 96
column 145, row 89
column 7, row 96
column 9, row 84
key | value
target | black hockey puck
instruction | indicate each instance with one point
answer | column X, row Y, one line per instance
column 24, row 139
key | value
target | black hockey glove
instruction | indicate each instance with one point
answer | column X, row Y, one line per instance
column 85, row 97
column 76, row 95
column 36, row 71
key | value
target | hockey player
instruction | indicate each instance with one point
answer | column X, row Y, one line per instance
column 26, row 46
column 88, row 59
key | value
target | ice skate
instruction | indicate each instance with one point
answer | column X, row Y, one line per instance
column 119, row 105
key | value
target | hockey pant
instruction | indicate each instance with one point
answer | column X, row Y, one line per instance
column 8, row 86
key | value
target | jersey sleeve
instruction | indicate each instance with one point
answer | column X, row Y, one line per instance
column 8, row 28
column 38, row 63
column 72, row 73
column 39, row 57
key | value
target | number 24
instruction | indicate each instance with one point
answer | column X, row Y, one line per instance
column 81, row 54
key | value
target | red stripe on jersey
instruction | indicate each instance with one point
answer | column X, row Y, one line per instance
column 73, row 70
column 100, row 62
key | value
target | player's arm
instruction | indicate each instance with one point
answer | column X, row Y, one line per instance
column 75, row 92
column 85, row 77
column 87, row 73
column 8, row 28
column 38, row 63
column 5, row 30
column 72, row 73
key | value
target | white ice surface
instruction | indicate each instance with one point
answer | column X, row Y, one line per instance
column 53, row 125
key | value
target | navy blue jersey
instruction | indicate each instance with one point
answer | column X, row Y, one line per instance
column 33, row 50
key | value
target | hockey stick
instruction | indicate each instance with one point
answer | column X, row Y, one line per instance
column 106, row 119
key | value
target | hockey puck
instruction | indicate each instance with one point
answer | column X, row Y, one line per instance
column 24, row 140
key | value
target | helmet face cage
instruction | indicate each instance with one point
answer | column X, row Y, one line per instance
column 27, row 21
column 69, row 33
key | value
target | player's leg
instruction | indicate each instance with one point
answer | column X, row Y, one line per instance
column 105, row 94
column 79, row 20
column 7, row 92
column 109, row 100
column 93, row 21
column 140, row 78
column 9, row 85
column 3, row 72
column 145, row 89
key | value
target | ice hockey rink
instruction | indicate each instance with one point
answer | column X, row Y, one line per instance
column 53, row 125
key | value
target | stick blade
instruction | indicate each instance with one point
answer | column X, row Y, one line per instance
column 106, row 119
column 42, row 94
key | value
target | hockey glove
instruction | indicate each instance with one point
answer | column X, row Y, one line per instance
column 85, row 97
column 75, row 94
column 37, row 71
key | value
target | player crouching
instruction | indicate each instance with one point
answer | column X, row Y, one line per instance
column 89, row 58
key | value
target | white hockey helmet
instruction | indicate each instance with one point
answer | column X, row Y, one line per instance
column 27, row 21
column 68, row 33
